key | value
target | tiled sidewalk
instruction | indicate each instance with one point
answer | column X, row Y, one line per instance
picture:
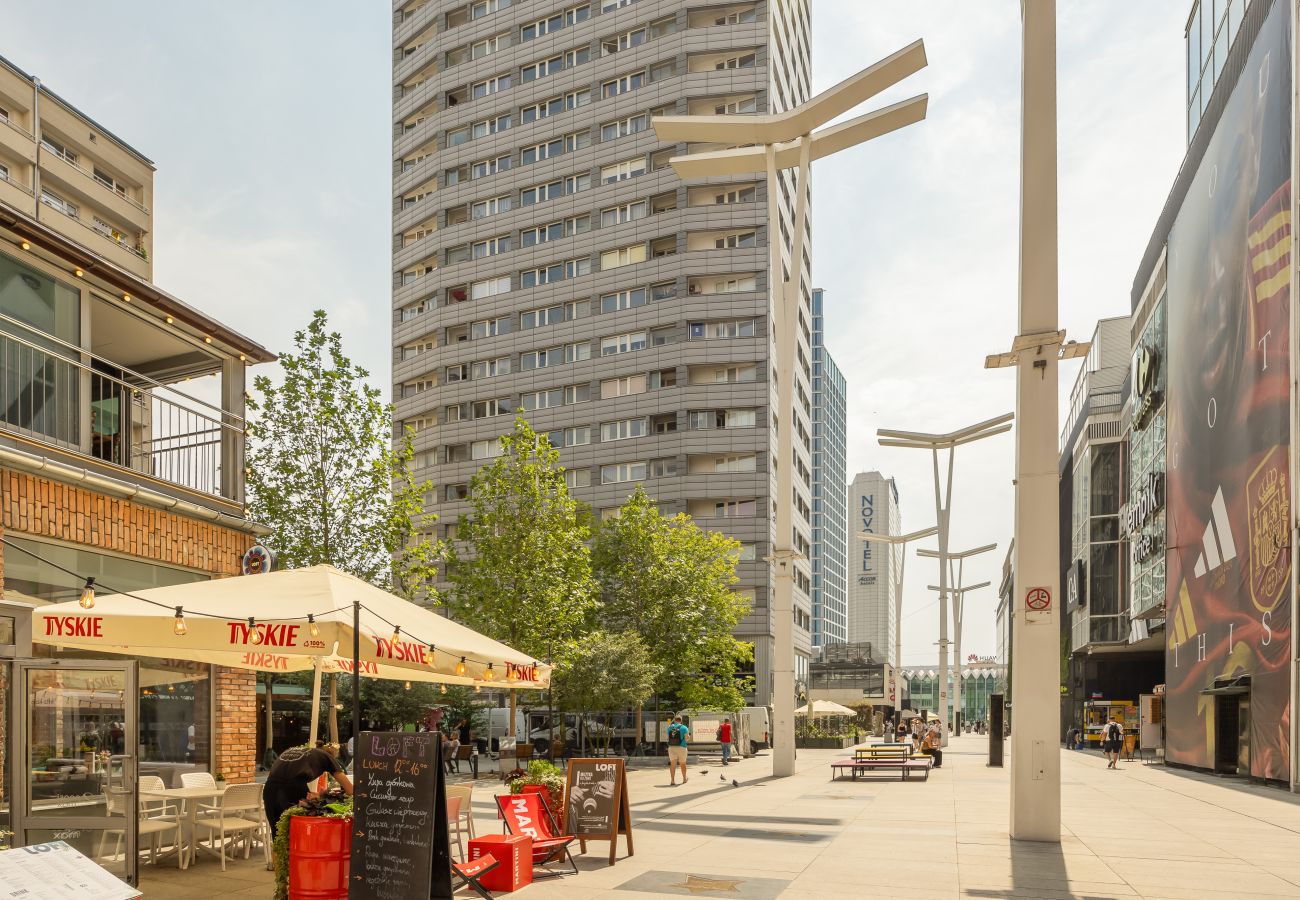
column 1138, row 831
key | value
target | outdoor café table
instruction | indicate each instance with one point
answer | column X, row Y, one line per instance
column 190, row 799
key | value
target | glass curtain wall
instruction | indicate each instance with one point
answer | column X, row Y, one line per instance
column 1147, row 458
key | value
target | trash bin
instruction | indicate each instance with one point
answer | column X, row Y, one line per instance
column 320, row 854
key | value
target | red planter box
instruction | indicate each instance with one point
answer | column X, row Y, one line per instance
column 320, row 853
column 514, row 852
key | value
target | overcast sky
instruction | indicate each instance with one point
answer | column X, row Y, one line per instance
column 270, row 127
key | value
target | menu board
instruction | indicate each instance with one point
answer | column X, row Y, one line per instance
column 56, row 871
column 400, row 848
column 596, row 803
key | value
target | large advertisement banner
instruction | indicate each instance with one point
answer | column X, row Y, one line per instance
column 1229, row 494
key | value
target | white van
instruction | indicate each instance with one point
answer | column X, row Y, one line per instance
column 751, row 725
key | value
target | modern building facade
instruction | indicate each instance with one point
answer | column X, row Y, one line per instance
column 114, row 472
column 830, row 515
column 980, row 679
column 873, row 508
column 546, row 258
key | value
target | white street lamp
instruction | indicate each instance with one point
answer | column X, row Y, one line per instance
column 942, row 506
column 773, row 142
column 958, row 608
column 901, row 541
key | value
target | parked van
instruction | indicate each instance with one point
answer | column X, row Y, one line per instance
column 751, row 729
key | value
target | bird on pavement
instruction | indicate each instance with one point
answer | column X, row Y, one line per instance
column 722, row 778
column 704, row 771
column 735, row 783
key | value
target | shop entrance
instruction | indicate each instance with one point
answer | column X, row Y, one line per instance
column 72, row 757
column 1232, row 726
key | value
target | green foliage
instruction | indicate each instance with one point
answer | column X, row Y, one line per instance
column 670, row 582
column 523, row 575
column 460, row 703
column 541, row 772
column 389, row 705
column 324, row 476
column 610, row 671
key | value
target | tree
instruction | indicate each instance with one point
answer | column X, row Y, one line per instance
column 390, row 705
column 326, row 478
column 669, row 581
column 522, row 574
column 609, row 671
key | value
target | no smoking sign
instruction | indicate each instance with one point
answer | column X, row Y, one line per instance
column 1038, row 604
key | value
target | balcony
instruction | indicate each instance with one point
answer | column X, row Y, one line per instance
column 138, row 416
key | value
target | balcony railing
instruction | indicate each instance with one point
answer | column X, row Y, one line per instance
column 49, row 394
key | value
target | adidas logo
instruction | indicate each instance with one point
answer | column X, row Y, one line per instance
column 1218, row 543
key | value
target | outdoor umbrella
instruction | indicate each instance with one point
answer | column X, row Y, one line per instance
column 824, row 708
column 315, row 618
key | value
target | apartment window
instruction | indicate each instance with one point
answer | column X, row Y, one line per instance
column 416, row 196
column 571, row 100
column 627, row 212
column 742, row 195
column 458, row 373
column 734, row 374
column 624, row 41
column 481, row 209
column 58, row 149
column 486, row 328
column 664, row 378
column 624, row 429
column 550, row 24
column 485, row 408
column 490, row 126
column 541, row 359
column 734, row 509
column 542, row 68
column 408, row 275
column 621, row 171
column 457, row 453
column 577, row 436
column 486, row 449
column 535, row 400
column 577, row 351
column 664, row 424
column 457, row 293
column 660, row 337
column 737, row 18
column 549, row 149
column 487, row 46
column 620, row 300
column 732, row 241
column 577, row 393
column 489, row 287
column 623, row 343
column 485, row 167
column 723, row 418
column 621, row 472
column 492, row 246
column 457, row 254
column 410, row 351
column 109, row 181
column 4, row 172
column 663, row 290
column 707, row 331
column 490, row 368
column 743, row 61
column 553, row 231
column 54, row 200
column 622, row 85
column 415, row 310
column 489, row 86
column 457, row 136
column 410, row 237
column 484, row 7
column 734, row 464
column 458, row 491
column 537, row 318
column 576, row 478
column 622, row 256
column 555, row 272
column 623, row 127
column 737, row 105
column 622, row 387
column 663, row 468
column 420, row 423
column 611, row 5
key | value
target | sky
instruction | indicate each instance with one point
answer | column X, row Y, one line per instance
column 270, row 127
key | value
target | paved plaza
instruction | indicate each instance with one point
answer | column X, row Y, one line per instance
column 1140, row 831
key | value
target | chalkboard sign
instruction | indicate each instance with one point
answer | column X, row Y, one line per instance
column 596, row 804
column 400, row 848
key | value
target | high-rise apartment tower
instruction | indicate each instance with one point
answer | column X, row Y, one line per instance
column 547, row 258
column 873, row 507
column 830, row 515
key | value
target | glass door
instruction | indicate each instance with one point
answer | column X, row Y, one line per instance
column 74, row 767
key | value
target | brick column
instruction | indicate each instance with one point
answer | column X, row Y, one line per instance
column 234, row 747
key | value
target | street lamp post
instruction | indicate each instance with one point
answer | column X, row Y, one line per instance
column 765, row 145
column 958, row 608
column 901, row 541
column 942, row 506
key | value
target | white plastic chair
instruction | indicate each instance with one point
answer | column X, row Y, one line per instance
column 239, row 813
column 154, row 822
column 198, row 780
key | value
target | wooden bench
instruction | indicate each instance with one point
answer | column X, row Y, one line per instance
column 903, row 766
column 883, row 751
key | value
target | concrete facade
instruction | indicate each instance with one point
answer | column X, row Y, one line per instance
column 873, row 507
column 830, row 519
column 547, row 258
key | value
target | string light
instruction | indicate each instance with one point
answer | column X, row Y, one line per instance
column 489, row 674
column 26, row 246
column 442, row 688
column 312, row 628
column 397, row 634
column 460, row 666
column 254, row 635
column 88, row 594
column 408, row 685
column 511, row 674
column 432, row 650
column 126, row 298
column 478, row 688
column 179, row 627
column 78, row 272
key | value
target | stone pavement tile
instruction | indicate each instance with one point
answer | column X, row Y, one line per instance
column 715, row 883
column 1230, row 879
column 896, row 879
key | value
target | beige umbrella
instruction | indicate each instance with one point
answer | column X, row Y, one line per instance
column 824, row 708
column 314, row 618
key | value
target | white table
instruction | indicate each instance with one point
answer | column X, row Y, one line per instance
column 190, row 798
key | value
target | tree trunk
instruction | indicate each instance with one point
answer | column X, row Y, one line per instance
column 270, row 689
column 514, row 733
column 333, row 710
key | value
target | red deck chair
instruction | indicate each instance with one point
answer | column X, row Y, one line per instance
column 470, row 872
column 527, row 814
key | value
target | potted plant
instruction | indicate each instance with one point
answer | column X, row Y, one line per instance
column 546, row 779
column 326, row 825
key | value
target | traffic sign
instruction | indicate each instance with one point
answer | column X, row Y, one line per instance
column 1038, row 599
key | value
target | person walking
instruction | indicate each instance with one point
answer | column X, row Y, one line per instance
column 724, row 738
column 290, row 779
column 1072, row 738
column 931, row 746
column 1112, row 741
column 678, row 736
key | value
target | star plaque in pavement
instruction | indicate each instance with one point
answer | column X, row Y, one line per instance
column 700, row 884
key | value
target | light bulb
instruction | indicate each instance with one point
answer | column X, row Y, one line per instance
column 254, row 635
column 460, row 666
column 88, row 594
column 179, row 627
column 511, row 674
column 489, row 674
column 408, row 685
column 478, row 688
column 312, row 628
column 26, row 246
column 432, row 650
column 397, row 634
column 442, row 688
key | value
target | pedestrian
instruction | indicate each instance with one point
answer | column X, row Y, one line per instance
column 931, row 746
column 1072, row 737
column 1112, row 741
column 724, row 738
column 463, row 732
column 678, row 735
column 290, row 779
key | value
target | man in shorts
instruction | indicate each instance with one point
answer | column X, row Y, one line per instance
column 678, row 734
column 1112, row 740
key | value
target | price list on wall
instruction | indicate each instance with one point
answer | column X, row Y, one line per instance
column 400, row 848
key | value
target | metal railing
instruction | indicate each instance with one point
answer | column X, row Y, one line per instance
column 127, row 420
column 71, row 160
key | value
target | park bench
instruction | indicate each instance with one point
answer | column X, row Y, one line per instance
column 883, row 751
column 904, row 767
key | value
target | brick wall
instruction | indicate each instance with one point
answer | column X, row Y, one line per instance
column 37, row 506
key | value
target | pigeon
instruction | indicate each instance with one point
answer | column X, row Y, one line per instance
column 704, row 771
column 722, row 778
column 735, row 783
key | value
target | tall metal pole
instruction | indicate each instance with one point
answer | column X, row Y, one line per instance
column 898, row 613
column 1035, row 754
column 356, row 671
column 957, row 599
column 942, row 503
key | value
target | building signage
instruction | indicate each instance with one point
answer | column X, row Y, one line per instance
column 868, row 516
column 1148, row 499
column 258, row 560
column 1146, row 368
